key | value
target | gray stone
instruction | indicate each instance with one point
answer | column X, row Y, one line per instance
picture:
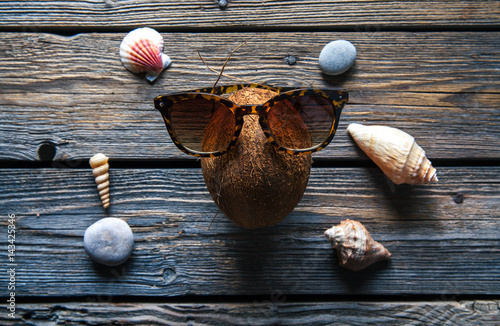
column 109, row 241
column 223, row 4
column 337, row 57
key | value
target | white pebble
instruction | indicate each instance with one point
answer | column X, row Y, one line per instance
column 109, row 241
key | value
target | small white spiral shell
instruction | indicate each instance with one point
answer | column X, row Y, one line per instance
column 100, row 167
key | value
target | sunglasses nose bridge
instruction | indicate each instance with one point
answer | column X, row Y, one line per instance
column 255, row 110
column 251, row 109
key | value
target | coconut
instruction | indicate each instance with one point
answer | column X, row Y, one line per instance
column 253, row 184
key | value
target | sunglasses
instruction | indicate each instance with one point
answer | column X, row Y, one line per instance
column 205, row 124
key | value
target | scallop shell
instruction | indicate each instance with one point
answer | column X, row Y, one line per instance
column 395, row 152
column 141, row 51
column 355, row 247
column 100, row 167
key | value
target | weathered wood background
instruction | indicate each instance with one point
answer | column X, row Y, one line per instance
column 431, row 68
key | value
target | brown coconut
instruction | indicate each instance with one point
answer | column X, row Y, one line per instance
column 253, row 184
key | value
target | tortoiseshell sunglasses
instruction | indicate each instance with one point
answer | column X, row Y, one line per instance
column 205, row 124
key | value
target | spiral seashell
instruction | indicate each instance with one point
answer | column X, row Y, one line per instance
column 141, row 51
column 100, row 167
column 355, row 248
column 395, row 152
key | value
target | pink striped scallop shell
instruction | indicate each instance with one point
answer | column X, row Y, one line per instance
column 141, row 51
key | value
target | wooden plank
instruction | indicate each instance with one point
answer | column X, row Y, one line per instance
column 72, row 92
column 441, row 245
column 244, row 14
column 272, row 311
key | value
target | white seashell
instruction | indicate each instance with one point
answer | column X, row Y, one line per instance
column 395, row 152
column 141, row 51
column 100, row 166
column 355, row 247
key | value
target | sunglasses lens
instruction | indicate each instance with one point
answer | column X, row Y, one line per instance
column 202, row 125
column 301, row 122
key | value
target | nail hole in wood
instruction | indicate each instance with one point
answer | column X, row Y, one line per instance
column 458, row 198
column 46, row 151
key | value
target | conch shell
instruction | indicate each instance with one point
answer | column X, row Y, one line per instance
column 100, row 166
column 395, row 152
column 355, row 247
column 141, row 51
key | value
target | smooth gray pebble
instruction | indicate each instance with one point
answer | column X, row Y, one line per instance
column 222, row 4
column 109, row 241
column 337, row 57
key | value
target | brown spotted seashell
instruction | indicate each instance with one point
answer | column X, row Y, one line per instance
column 100, row 167
column 141, row 51
column 355, row 247
column 395, row 152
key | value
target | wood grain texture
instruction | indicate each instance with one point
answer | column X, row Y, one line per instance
column 427, row 67
column 73, row 92
column 266, row 312
column 296, row 14
column 440, row 245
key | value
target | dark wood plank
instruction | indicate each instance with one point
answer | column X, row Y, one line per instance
column 244, row 14
column 72, row 92
column 273, row 311
column 440, row 245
